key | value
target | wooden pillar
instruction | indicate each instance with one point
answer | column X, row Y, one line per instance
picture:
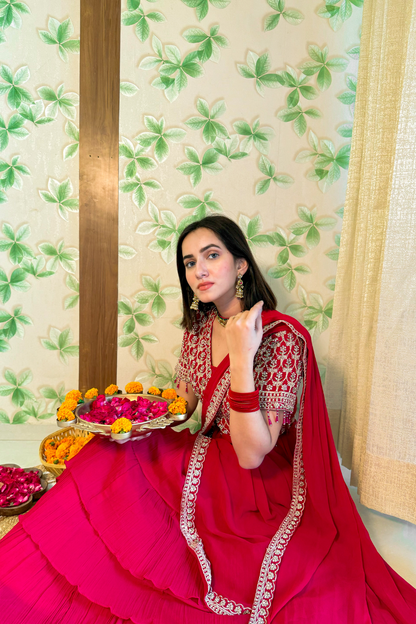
column 98, row 191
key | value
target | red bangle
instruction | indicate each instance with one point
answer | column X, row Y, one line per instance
column 244, row 401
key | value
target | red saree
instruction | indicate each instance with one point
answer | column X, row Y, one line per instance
column 171, row 529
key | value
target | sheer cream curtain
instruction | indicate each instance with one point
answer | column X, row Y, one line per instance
column 371, row 376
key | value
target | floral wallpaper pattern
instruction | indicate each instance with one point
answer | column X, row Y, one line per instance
column 39, row 70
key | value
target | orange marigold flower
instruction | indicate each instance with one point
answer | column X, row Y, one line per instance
column 154, row 390
column 63, row 449
column 50, row 455
column 70, row 404
column 66, row 442
column 134, row 387
column 178, row 406
column 73, row 394
column 121, row 425
column 56, row 452
column 169, row 393
column 91, row 393
column 111, row 389
column 65, row 414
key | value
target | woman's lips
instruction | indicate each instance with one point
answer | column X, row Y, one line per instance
column 205, row 286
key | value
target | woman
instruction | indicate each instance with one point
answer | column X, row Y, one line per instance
column 249, row 518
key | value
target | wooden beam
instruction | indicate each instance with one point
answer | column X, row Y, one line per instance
column 98, row 191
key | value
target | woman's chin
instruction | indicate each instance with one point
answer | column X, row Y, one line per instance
column 223, row 300
column 206, row 299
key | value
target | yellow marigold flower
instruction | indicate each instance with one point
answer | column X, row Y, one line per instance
column 111, row 389
column 178, row 406
column 65, row 414
column 169, row 393
column 91, row 393
column 73, row 394
column 70, row 404
column 121, row 425
column 134, row 387
column 154, row 390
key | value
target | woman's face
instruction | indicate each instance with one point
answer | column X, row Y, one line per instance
column 210, row 269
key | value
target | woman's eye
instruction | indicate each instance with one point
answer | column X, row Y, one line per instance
column 213, row 255
column 189, row 264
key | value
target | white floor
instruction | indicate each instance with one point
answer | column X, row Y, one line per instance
column 394, row 539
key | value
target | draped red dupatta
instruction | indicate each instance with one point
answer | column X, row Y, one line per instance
column 321, row 550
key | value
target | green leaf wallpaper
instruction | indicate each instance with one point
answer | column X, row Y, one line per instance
column 226, row 106
column 235, row 107
column 39, row 288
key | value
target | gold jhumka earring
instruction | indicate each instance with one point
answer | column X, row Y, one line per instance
column 195, row 302
column 239, row 289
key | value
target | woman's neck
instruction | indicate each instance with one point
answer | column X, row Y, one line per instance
column 229, row 308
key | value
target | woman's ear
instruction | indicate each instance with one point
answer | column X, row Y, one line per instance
column 242, row 266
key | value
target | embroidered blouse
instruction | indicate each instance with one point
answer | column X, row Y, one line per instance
column 277, row 369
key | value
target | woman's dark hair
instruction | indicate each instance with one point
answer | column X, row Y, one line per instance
column 255, row 286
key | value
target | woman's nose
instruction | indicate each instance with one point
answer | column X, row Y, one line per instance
column 201, row 269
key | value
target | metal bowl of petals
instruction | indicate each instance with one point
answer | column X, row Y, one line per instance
column 145, row 412
column 19, row 488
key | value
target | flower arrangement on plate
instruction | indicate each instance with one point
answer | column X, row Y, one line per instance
column 19, row 488
column 104, row 410
column 97, row 412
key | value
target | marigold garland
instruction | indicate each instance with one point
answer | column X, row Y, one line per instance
column 73, row 394
column 56, row 452
column 91, row 393
column 154, row 390
column 134, row 387
column 169, row 393
column 111, row 389
column 121, row 425
column 65, row 414
column 178, row 406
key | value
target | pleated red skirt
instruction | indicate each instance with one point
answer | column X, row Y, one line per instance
column 105, row 545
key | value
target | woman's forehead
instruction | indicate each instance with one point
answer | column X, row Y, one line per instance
column 198, row 239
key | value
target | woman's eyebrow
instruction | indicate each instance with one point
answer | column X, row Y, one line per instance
column 201, row 251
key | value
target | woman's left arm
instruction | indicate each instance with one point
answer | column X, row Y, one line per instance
column 251, row 434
